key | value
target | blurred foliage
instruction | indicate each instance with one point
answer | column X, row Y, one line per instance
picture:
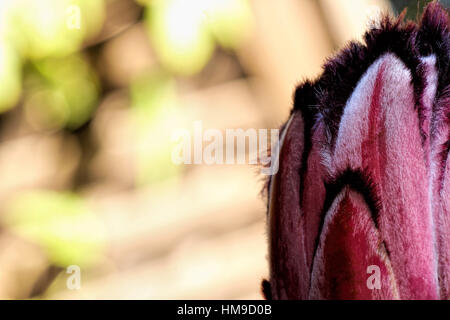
column 46, row 69
column 10, row 76
column 414, row 7
column 154, row 109
column 184, row 32
column 60, row 222
column 229, row 20
column 47, row 28
column 61, row 92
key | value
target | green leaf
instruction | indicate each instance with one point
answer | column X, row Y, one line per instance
column 61, row 223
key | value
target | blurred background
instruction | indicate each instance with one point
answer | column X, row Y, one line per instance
column 90, row 93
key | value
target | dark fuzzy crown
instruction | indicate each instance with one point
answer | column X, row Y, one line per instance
column 325, row 98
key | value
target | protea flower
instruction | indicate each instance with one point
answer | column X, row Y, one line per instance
column 363, row 187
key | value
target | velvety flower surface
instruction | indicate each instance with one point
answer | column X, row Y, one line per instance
column 364, row 171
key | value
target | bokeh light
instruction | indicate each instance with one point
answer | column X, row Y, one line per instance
column 62, row 92
column 184, row 32
column 60, row 222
